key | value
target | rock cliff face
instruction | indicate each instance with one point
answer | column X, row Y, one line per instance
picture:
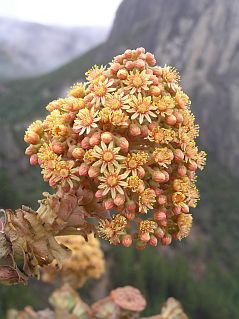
column 201, row 39
column 28, row 49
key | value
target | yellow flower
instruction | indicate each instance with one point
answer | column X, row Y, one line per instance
column 107, row 156
column 146, row 200
column 141, row 107
column 86, row 120
column 113, row 182
column 137, row 82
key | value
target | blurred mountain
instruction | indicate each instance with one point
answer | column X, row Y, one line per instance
column 28, row 49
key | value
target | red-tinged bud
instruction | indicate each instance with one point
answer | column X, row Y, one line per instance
column 131, row 206
column 160, row 215
column 140, row 64
column 177, row 210
column 83, row 169
column 158, row 71
column 166, row 240
column 185, row 209
column 123, row 144
column 166, row 174
column 162, row 199
column 152, row 125
column 144, row 131
column 134, row 130
column 115, row 67
column 140, row 245
column 178, row 155
column 128, row 54
column 30, row 150
column 78, row 153
column 58, row 148
column 155, row 90
column 192, row 166
column 85, row 143
column 95, row 139
column 181, row 170
column 140, row 172
column 119, row 58
column 158, row 177
column 140, row 50
column 52, row 106
column 145, row 237
column 158, row 191
column 129, row 215
column 181, row 104
column 99, row 194
column 31, row 138
column 149, row 57
column 119, row 200
column 170, row 120
column 108, row 203
column 159, row 233
column 34, row 159
column 122, row 74
column 129, row 65
column 154, row 80
column 153, row 241
column 127, row 240
column 93, row 172
column 179, row 117
column 106, row 137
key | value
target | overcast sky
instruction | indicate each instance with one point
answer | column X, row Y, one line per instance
column 62, row 12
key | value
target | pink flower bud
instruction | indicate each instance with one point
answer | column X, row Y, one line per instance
column 95, row 139
column 140, row 50
column 154, row 80
column 30, row 150
column 158, row 177
column 192, row 166
column 119, row 200
column 108, row 203
column 123, row 144
column 131, row 206
column 171, row 120
column 134, row 130
column 159, row 233
column 152, row 125
column 128, row 54
column 127, row 240
column 34, row 159
column 83, row 169
column 129, row 215
column 78, row 153
column 160, row 215
column 119, row 59
column 141, row 172
column 166, row 240
column 177, row 210
column 93, row 172
column 185, row 209
column 150, row 59
column 115, row 67
column 140, row 64
column 145, row 237
column 122, row 74
column 31, row 138
column 162, row 199
column 129, row 65
column 181, row 170
column 178, row 155
column 155, row 90
column 153, row 241
column 179, row 117
column 157, row 71
column 58, row 148
column 99, row 194
column 85, row 143
column 106, row 137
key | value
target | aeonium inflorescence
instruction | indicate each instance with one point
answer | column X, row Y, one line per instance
column 123, row 143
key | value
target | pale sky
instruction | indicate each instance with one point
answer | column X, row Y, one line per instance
column 62, row 12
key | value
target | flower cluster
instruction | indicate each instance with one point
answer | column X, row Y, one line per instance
column 86, row 261
column 124, row 144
